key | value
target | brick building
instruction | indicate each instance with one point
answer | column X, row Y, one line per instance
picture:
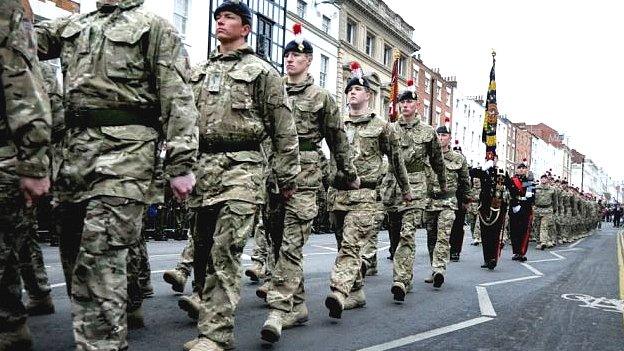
column 523, row 143
column 435, row 93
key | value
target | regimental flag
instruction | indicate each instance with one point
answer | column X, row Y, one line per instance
column 491, row 115
column 393, row 111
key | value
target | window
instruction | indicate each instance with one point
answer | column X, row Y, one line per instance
column 448, row 97
column 180, row 15
column 438, row 120
column 301, row 8
column 387, row 55
column 402, row 66
column 323, row 74
column 370, row 45
column 265, row 35
column 427, row 85
column 351, row 32
column 415, row 76
column 326, row 24
column 439, row 91
column 427, row 110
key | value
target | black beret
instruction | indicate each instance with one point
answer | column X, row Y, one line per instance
column 408, row 95
column 304, row 48
column 443, row 130
column 357, row 81
column 237, row 7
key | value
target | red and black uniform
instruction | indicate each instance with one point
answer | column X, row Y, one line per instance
column 492, row 211
column 520, row 214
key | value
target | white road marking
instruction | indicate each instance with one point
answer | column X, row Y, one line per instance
column 532, row 269
column 332, row 249
column 510, row 280
column 557, row 255
column 485, row 304
column 383, row 248
column 428, row 334
column 576, row 243
column 545, row 260
column 572, row 249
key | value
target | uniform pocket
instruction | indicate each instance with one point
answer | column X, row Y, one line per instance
column 123, row 57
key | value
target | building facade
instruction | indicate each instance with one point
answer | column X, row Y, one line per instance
column 467, row 127
column 321, row 26
column 523, row 143
column 435, row 93
column 369, row 33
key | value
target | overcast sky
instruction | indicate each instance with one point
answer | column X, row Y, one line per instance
column 558, row 62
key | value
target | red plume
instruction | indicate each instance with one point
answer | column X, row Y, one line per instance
column 354, row 65
column 410, row 82
column 447, row 119
column 297, row 28
column 456, row 141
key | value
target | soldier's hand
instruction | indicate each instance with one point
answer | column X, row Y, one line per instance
column 34, row 188
column 355, row 184
column 182, row 186
column 287, row 192
column 407, row 197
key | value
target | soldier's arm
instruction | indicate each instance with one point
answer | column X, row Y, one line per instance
column 434, row 151
column 27, row 106
column 280, row 126
column 390, row 147
column 178, row 112
column 334, row 133
column 463, row 182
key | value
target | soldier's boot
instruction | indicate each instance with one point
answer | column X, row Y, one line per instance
column 256, row 272
column 356, row 299
column 188, row 346
column 398, row 290
column 38, row 306
column 429, row 279
column 438, row 279
column 263, row 290
column 335, row 303
column 540, row 246
column 148, row 291
column 371, row 271
column 205, row 344
column 135, row 319
column 177, row 278
column 16, row 339
column 191, row 305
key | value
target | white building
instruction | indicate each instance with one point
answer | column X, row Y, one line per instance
column 502, row 143
column 467, row 128
column 545, row 157
column 321, row 28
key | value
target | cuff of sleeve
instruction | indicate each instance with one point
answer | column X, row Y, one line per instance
column 177, row 170
column 291, row 184
column 406, row 190
column 350, row 177
column 31, row 169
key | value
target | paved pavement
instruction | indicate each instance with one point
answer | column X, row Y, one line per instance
column 563, row 299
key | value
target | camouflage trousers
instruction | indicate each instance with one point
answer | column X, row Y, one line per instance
column 475, row 229
column 139, row 280
column 96, row 236
column 287, row 283
column 544, row 227
column 262, row 252
column 355, row 228
column 185, row 264
column 32, row 268
column 12, row 310
column 439, row 224
column 403, row 270
column 221, row 233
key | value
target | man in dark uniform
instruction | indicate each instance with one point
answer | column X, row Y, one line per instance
column 521, row 211
column 617, row 215
column 457, row 231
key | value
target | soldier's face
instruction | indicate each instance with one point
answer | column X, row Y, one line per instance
column 408, row 108
column 358, row 95
column 297, row 63
column 445, row 139
column 230, row 27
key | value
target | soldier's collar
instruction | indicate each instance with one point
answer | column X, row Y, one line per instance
column 411, row 124
column 364, row 118
column 234, row 55
column 298, row 87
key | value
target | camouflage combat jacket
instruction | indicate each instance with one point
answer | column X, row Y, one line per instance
column 25, row 117
column 545, row 199
column 55, row 93
column 419, row 148
column 457, row 183
column 125, row 82
column 317, row 117
column 473, row 196
column 370, row 138
column 241, row 101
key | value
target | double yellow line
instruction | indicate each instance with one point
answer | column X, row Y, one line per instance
column 620, row 255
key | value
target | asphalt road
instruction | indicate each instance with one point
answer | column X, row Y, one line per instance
column 563, row 299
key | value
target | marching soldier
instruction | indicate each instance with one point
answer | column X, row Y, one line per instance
column 520, row 211
column 316, row 117
column 473, row 210
column 442, row 207
column 357, row 214
column 241, row 102
column 456, row 238
column 136, row 93
column 545, row 210
column 419, row 147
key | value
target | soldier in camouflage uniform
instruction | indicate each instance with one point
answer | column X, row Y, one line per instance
column 241, row 102
column 544, row 212
column 419, row 147
column 316, row 117
column 473, row 210
column 565, row 215
column 125, row 72
column 442, row 207
column 25, row 128
column 357, row 214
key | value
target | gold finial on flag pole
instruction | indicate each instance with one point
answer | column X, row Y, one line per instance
column 493, row 53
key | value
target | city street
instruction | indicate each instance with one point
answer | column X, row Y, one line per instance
column 563, row 299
